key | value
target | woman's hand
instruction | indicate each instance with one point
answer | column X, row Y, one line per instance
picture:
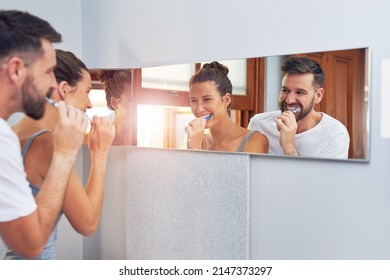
column 195, row 131
column 101, row 135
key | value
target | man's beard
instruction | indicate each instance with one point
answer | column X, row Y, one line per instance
column 304, row 110
column 33, row 104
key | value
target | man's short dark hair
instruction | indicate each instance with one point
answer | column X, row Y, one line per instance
column 303, row 65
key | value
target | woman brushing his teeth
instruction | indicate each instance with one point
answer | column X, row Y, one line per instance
column 210, row 99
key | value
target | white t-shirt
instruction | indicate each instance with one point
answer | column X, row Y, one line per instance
column 16, row 199
column 328, row 139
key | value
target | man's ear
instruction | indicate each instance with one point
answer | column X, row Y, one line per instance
column 114, row 103
column 319, row 95
column 63, row 89
column 227, row 99
column 16, row 70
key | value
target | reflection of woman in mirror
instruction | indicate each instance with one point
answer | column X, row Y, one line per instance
column 210, row 98
column 118, row 88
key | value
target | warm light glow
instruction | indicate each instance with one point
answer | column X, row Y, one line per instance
column 154, row 126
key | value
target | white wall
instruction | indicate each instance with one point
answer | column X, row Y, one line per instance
column 64, row 16
column 148, row 32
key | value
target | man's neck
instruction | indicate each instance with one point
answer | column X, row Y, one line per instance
column 310, row 121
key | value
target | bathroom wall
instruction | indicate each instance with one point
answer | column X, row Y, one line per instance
column 64, row 16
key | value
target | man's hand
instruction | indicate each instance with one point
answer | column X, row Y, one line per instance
column 287, row 126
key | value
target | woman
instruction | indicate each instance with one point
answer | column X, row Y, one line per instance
column 118, row 88
column 82, row 207
column 210, row 98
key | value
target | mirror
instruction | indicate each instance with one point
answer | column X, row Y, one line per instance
column 159, row 101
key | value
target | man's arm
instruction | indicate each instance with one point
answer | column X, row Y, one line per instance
column 28, row 235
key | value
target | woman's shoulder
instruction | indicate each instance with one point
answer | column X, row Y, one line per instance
column 257, row 143
column 41, row 142
column 257, row 136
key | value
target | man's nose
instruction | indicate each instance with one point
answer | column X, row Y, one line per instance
column 291, row 98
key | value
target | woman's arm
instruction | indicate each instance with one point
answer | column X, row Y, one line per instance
column 82, row 206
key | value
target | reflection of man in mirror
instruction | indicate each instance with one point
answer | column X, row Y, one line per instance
column 297, row 129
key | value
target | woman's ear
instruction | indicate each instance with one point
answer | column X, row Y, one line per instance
column 114, row 103
column 227, row 99
column 63, row 88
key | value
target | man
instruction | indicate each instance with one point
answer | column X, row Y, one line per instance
column 82, row 205
column 297, row 129
column 27, row 61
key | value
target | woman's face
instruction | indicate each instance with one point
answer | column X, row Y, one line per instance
column 79, row 94
column 205, row 99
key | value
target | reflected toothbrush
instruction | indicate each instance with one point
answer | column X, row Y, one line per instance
column 206, row 118
column 292, row 110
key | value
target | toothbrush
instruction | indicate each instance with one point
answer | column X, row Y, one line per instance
column 292, row 110
column 55, row 105
column 206, row 118
column 51, row 102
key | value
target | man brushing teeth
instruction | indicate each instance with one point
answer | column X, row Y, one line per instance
column 301, row 130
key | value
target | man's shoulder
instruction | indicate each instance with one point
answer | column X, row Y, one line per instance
column 266, row 115
column 333, row 123
column 263, row 121
column 5, row 127
column 7, row 135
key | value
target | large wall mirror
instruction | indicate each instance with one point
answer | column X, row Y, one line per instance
column 158, row 103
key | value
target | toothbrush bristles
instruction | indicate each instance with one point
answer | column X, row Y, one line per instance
column 51, row 102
